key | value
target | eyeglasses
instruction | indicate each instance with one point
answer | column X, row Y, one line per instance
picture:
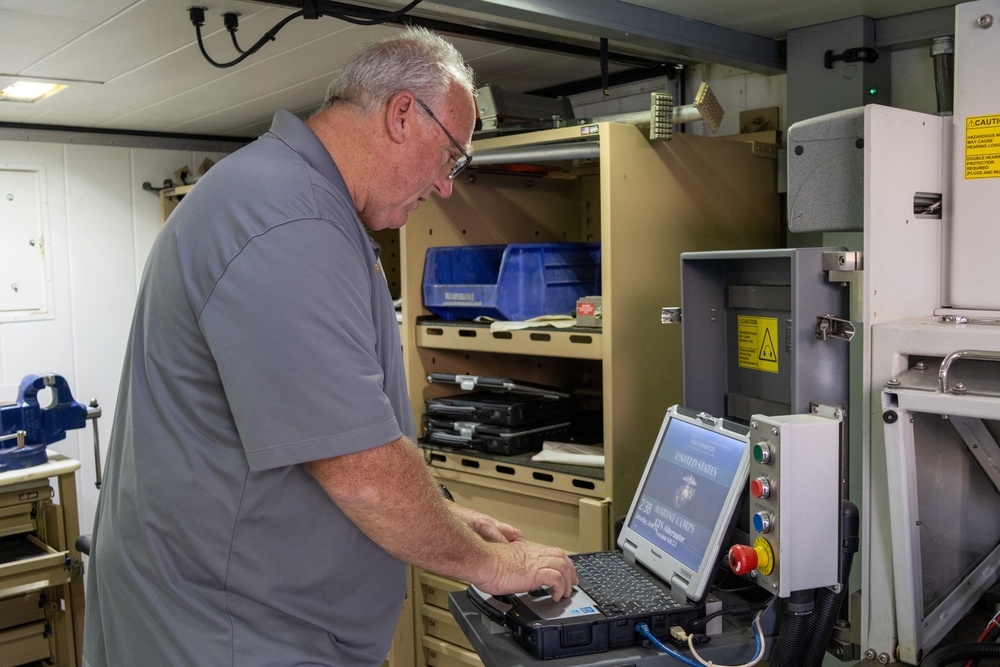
column 462, row 162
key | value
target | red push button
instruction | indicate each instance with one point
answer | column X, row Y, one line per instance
column 742, row 558
column 760, row 487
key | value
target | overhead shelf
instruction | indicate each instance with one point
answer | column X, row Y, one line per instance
column 575, row 343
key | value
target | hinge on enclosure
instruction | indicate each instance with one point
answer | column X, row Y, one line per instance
column 846, row 266
column 828, row 326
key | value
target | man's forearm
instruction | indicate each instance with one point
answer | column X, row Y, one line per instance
column 388, row 493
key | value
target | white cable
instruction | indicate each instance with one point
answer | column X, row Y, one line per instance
column 756, row 659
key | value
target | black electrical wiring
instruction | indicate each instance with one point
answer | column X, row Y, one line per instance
column 990, row 635
column 310, row 10
column 232, row 22
column 698, row 625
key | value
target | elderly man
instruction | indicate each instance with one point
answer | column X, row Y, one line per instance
column 262, row 492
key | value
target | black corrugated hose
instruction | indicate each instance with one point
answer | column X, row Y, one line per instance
column 828, row 603
column 792, row 635
column 946, row 655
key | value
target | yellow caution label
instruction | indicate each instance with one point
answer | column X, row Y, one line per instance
column 757, row 343
column 982, row 147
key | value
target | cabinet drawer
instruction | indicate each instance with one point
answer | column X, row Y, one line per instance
column 23, row 644
column 21, row 609
column 16, row 519
column 570, row 521
column 438, row 653
column 27, row 564
column 17, row 507
column 440, row 623
column 434, row 589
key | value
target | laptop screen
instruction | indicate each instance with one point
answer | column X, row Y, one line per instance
column 692, row 486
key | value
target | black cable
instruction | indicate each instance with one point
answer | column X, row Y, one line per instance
column 989, row 636
column 232, row 22
column 946, row 655
column 376, row 20
column 828, row 601
column 788, row 647
column 197, row 18
column 604, row 66
column 698, row 625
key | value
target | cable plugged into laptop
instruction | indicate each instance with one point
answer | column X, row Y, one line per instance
column 677, row 634
column 681, row 637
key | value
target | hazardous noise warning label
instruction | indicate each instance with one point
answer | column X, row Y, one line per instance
column 982, row 147
column 757, row 343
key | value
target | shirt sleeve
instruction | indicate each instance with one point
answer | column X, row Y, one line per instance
column 290, row 326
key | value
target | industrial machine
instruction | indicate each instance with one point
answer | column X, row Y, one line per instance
column 868, row 374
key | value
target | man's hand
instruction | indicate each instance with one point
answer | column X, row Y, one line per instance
column 526, row 567
column 486, row 526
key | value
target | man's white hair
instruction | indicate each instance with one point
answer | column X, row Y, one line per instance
column 416, row 59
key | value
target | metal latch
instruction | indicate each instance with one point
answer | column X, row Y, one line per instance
column 846, row 267
column 670, row 315
column 465, row 429
column 828, row 326
column 707, row 418
column 844, row 260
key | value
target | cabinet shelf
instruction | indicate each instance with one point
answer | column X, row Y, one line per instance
column 573, row 343
column 584, row 480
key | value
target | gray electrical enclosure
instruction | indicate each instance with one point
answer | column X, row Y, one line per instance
column 754, row 332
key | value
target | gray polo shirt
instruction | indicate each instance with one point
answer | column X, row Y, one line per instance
column 264, row 337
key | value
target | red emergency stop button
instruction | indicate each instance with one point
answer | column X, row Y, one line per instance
column 742, row 558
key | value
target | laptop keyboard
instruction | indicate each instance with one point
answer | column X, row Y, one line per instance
column 619, row 588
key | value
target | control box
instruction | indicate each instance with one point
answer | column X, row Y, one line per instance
column 794, row 503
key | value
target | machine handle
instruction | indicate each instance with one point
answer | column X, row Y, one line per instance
column 20, row 435
column 93, row 412
column 979, row 355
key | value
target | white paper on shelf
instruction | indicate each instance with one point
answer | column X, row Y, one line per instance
column 557, row 321
column 571, row 453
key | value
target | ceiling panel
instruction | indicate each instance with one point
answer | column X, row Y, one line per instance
column 143, row 32
column 267, row 76
column 30, row 30
column 150, row 75
column 774, row 18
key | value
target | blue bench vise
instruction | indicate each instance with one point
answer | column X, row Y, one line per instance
column 26, row 428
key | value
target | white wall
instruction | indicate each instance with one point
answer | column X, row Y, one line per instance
column 101, row 224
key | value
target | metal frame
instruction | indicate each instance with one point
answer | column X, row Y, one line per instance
column 893, row 346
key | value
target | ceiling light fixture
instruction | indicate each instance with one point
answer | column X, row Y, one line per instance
column 29, row 91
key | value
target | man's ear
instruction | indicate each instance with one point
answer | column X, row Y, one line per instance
column 399, row 116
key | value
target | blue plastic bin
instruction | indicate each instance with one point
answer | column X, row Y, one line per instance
column 510, row 282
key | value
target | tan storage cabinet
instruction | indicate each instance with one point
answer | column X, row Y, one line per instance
column 41, row 583
column 645, row 202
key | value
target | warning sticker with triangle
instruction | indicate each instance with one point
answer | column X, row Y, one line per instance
column 758, row 343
